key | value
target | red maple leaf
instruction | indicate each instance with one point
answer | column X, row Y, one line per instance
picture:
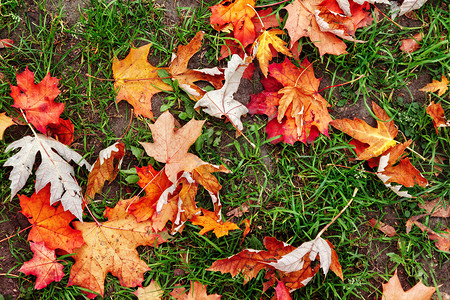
column 37, row 100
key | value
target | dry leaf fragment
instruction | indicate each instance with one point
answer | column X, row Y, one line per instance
column 43, row 265
column 386, row 229
column 197, row 292
column 437, row 208
column 105, row 168
column 221, row 102
column 5, row 122
column 150, row 292
column 412, row 44
column 436, row 112
column 6, row 43
column 409, row 5
column 210, row 221
column 392, row 290
column 437, row 86
column 442, row 239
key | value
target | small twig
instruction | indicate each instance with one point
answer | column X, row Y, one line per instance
column 338, row 215
column 399, row 26
column 5, row 239
column 348, row 82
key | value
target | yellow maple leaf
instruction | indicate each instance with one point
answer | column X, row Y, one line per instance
column 263, row 52
column 210, row 222
column 435, row 85
column 5, row 122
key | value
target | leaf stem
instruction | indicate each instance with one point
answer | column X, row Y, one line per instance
column 348, row 82
column 5, row 239
column 399, row 26
column 268, row 5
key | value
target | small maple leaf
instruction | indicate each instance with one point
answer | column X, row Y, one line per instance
column 437, row 86
column 105, row 168
column 436, row 112
column 384, row 228
column 238, row 14
column 186, row 77
column 54, row 169
column 5, row 122
column 111, row 247
column 197, row 292
column 379, row 139
column 392, row 290
column 61, row 131
column 412, row 44
column 221, row 102
column 137, row 80
column 43, row 265
column 210, row 222
column 262, row 47
column 49, row 225
column 150, row 292
column 170, row 146
column 37, row 100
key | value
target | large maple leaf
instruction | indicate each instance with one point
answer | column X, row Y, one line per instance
column 49, row 224
column 37, row 100
column 314, row 19
column 170, row 146
column 301, row 113
column 137, row 80
column 54, row 169
column 43, row 265
column 221, row 102
column 379, row 139
column 111, row 247
column 238, row 14
column 392, row 290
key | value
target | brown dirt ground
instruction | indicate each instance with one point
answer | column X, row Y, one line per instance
column 121, row 120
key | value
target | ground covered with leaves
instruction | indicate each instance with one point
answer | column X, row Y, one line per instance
column 237, row 149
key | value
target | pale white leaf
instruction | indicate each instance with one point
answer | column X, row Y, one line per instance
column 345, row 4
column 409, row 5
column 221, row 102
column 54, row 169
column 106, row 153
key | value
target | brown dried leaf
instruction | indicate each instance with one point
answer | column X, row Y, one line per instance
column 386, row 229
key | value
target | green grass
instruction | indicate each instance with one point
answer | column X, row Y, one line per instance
column 293, row 191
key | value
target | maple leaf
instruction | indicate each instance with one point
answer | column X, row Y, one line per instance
column 170, row 146
column 105, row 168
column 437, row 208
column 437, row 86
column 392, row 290
column 186, row 78
column 386, row 229
column 436, row 112
column 111, row 247
column 197, row 292
column 150, row 292
column 220, row 102
column 37, row 100
column 49, row 224
column 54, row 169
column 5, row 122
column 61, row 131
column 210, row 222
column 43, row 265
column 137, row 80
column 379, row 139
column 313, row 19
column 262, row 47
column 238, row 14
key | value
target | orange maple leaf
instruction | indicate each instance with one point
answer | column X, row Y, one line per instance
column 393, row 290
column 5, row 122
column 111, row 248
column 379, row 139
column 262, row 47
column 170, row 146
column 197, row 292
column 49, row 224
column 105, row 168
column 210, row 221
column 238, row 14
column 437, row 86
column 137, row 80
column 37, row 100
column 43, row 265
column 436, row 112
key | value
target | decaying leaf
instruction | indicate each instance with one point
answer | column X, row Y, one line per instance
column 436, row 112
column 37, row 100
column 442, row 239
column 210, row 221
column 221, row 102
column 5, row 122
column 392, row 290
column 386, row 229
column 105, row 168
column 437, row 86
column 49, row 224
column 150, row 292
column 412, row 44
column 111, row 248
column 54, row 169
column 197, row 292
column 43, row 265
column 437, row 208
column 6, row 43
